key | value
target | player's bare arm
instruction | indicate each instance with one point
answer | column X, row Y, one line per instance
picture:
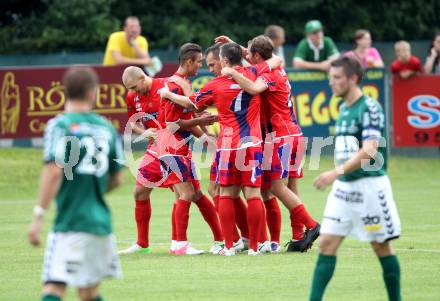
column 225, row 39
column 206, row 119
column 367, row 152
column 274, row 62
column 246, row 84
column 185, row 85
column 203, row 127
column 149, row 134
column 49, row 184
column 176, row 98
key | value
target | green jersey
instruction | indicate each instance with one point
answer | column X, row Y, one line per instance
column 86, row 146
column 306, row 51
column 361, row 121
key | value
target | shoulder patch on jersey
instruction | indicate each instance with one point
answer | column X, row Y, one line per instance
column 200, row 95
column 253, row 69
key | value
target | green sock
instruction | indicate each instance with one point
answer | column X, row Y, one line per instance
column 99, row 298
column 391, row 276
column 50, row 298
column 323, row 273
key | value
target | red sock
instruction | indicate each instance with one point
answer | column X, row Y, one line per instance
column 297, row 225
column 262, row 237
column 254, row 216
column 173, row 223
column 182, row 218
column 236, row 235
column 241, row 217
column 216, row 200
column 142, row 213
column 227, row 219
column 209, row 213
column 273, row 215
column 304, row 216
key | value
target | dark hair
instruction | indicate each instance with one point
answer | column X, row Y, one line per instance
column 214, row 49
column 350, row 66
column 188, row 51
column 359, row 34
column 437, row 59
column 78, row 81
column 232, row 52
column 262, row 45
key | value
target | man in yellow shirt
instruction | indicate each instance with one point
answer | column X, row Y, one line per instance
column 127, row 47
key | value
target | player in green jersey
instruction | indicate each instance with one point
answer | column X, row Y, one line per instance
column 360, row 203
column 81, row 150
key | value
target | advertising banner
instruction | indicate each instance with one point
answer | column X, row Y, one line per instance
column 316, row 108
column 31, row 96
column 416, row 111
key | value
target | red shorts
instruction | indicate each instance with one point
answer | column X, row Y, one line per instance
column 213, row 172
column 241, row 167
column 195, row 183
column 296, row 158
column 150, row 173
column 178, row 169
column 282, row 159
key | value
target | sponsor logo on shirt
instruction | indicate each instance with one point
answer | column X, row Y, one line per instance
column 355, row 197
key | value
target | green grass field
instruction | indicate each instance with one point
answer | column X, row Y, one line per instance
column 160, row 276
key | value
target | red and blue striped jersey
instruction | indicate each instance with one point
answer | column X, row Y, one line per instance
column 176, row 142
column 238, row 111
column 279, row 113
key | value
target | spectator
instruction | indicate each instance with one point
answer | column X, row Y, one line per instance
column 406, row 65
column 128, row 47
column 432, row 64
column 366, row 55
column 277, row 35
column 315, row 51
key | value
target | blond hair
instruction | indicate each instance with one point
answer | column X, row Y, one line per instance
column 131, row 75
column 400, row 44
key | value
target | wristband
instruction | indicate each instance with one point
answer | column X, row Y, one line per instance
column 203, row 137
column 38, row 211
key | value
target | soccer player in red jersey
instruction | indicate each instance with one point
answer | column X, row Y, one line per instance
column 143, row 98
column 212, row 58
column 239, row 153
column 175, row 156
column 284, row 148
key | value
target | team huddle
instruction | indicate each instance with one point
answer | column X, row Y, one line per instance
column 259, row 149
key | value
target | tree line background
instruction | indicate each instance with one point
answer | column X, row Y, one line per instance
column 44, row 26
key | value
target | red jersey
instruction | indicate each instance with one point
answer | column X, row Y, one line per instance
column 238, row 111
column 146, row 103
column 412, row 64
column 176, row 142
column 280, row 118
